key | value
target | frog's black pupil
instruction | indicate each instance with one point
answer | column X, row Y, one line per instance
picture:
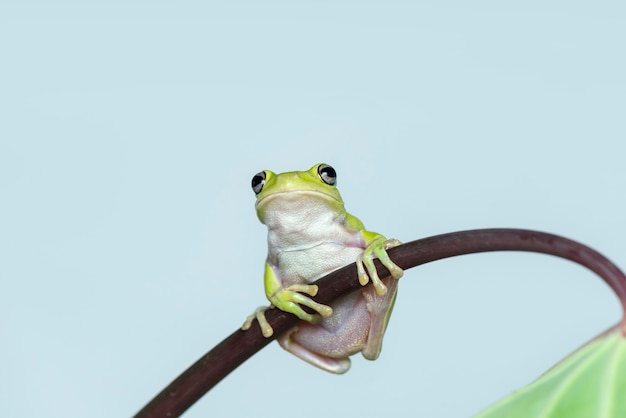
column 328, row 174
column 257, row 182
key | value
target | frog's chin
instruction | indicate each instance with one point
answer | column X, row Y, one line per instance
column 301, row 196
column 289, row 209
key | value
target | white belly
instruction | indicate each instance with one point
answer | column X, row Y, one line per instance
column 308, row 265
column 308, row 238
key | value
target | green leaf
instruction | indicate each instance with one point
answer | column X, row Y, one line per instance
column 591, row 382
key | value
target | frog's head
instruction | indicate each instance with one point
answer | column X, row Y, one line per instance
column 318, row 184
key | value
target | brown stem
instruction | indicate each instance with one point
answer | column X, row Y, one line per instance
column 198, row 379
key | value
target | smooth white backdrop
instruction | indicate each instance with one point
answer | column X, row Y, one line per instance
column 129, row 246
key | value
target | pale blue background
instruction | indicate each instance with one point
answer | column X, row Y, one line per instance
column 129, row 132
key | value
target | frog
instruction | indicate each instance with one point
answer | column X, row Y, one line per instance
column 310, row 234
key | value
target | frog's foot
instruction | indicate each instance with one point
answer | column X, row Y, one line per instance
column 259, row 315
column 290, row 298
column 333, row 365
column 365, row 263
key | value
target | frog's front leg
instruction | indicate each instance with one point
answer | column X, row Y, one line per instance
column 286, row 299
column 377, row 248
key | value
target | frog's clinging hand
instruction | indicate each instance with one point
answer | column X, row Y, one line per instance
column 310, row 234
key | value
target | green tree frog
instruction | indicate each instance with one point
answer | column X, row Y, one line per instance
column 310, row 234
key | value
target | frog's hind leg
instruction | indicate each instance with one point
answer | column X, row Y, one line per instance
column 332, row 365
column 379, row 308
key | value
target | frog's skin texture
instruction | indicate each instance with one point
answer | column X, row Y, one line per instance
column 310, row 234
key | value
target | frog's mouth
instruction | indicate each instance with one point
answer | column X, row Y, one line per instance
column 290, row 196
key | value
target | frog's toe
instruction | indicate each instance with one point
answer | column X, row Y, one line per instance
column 323, row 310
column 360, row 269
column 259, row 315
column 381, row 252
column 309, row 289
column 381, row 289
column 392, row 242
column 248, row 322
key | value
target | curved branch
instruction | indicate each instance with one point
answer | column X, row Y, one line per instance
column 198, row 379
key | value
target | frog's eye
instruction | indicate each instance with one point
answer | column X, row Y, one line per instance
column 327, row 174
column 258, row 181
